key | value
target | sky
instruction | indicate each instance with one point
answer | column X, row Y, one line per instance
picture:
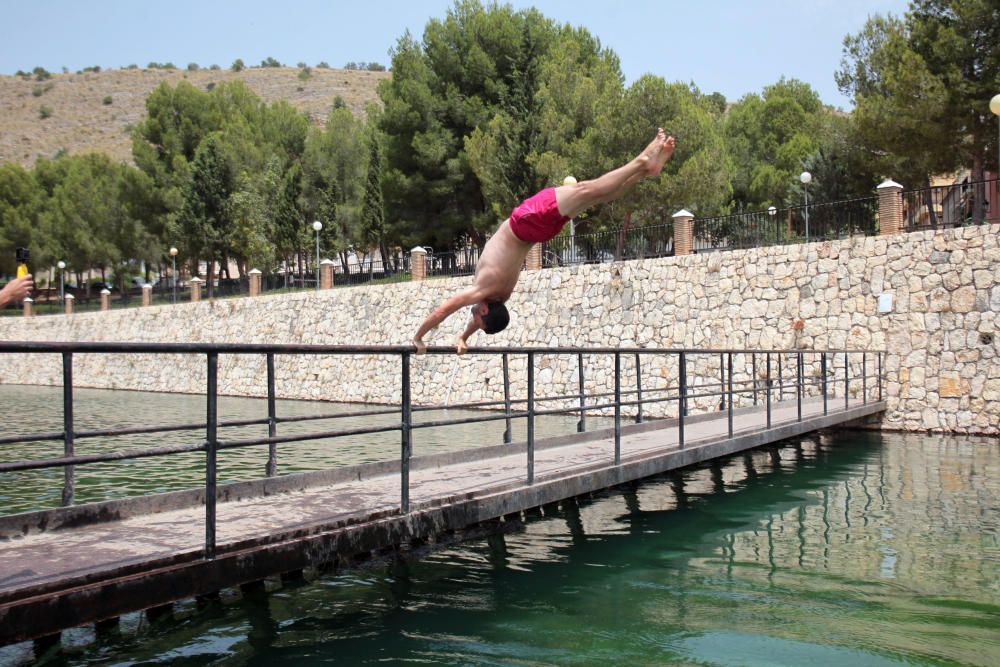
column 734, row 47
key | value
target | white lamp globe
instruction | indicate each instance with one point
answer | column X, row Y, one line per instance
column 771, row 210
column 995, row 104
column 569, row 180
column 173, row 252
column 61, row 264
column 317, row 225
column 806, row 177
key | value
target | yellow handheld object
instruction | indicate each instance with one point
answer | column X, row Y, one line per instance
column 22, row 262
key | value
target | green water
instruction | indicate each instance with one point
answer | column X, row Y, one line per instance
column 31, row 410
column 848, row 548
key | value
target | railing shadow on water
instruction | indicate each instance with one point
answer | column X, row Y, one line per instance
column 687, row 382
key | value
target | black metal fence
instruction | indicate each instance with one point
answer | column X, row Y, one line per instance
column 612, row 245
column 958, row 205
column 769, row 376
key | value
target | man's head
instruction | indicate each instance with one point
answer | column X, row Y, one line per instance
column 491, row 316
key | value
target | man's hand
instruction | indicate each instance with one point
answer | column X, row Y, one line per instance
column 460, row 345
column 16, row 290
column 420, row 345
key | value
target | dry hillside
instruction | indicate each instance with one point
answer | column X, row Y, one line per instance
column 81, row 121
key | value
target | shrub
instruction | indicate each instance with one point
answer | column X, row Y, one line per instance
column 270, row 62
column 215, row 67
column 40, row 89
column 302, row 65
column 93, row 68
column 106, row 100
column 237, row 65
column 210, row 85
column 305, row 74
column 375, row 67
column 193, row 67
column 169, row 65
column 41, row 74
column 322, row 64
column 44, row 112
column 132, row 66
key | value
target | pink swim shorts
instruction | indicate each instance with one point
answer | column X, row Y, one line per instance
column 537, row 219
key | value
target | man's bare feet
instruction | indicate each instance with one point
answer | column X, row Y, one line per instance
column 666, row 150
column 650, row 155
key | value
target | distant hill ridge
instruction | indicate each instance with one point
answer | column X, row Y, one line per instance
column 94, row 111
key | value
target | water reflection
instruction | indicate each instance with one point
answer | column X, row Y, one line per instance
column 852, row 548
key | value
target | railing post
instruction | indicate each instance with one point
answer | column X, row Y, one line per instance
column 730, row 404
column 618, row 408
column 531, row 418
column 890, row 207
column 864, row 378
column 799, row 389
column 69, row 472
column 405, row 443
column 272, row 419
column 722, row 382
column 880, row 377
column 68, row 302
column 255, row 280
column 768, row 382
column 211, row 422
column 418, row 264
column 581, row 425
column 682, row 401
column 683, row 232
column 638, row 389
column 847, row 380
column 822, row 364
column 781, row 380
column 508, row 434
column 753, row 371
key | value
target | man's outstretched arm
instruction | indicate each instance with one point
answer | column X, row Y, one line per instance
column 464, row 298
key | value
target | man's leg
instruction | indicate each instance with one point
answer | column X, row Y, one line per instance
column 574, row 199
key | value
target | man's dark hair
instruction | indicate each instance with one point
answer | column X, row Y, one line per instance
column 496, row 319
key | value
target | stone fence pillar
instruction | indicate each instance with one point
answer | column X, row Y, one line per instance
column 418, row 264
column 105, row 299
column 196, row 288
column 326, row 274
column 68, row 303
column 147, row 295
column 533, row 262
column 890, row 207
column 29, row 307
column 683, row 232
column 255, row 278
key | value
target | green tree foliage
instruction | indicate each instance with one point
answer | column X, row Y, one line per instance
column 771, row 137
column 922, row 85
column 237, row 65
column 20, row 200
column 478, row 69
column 372, row 209
column 204, row 219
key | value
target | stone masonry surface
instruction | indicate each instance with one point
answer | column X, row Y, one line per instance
column 942, row 367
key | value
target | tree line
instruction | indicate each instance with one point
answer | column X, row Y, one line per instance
column 490, row 105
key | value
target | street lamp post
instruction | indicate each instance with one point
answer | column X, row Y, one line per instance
column 806, row 179
column 317, row 225
column 62, row 285
column 173, row 258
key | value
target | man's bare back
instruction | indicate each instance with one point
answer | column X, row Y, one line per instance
column 500, row 263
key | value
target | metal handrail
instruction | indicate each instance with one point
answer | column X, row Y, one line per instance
column 684, row 392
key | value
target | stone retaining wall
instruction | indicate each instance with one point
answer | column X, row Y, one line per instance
column 942, row 366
